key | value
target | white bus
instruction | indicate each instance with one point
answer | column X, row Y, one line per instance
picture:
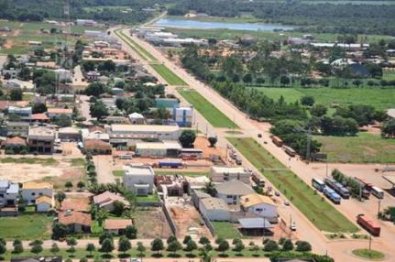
column 318, row 184
column 377, row 192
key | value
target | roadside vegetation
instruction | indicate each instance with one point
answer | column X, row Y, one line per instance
column 170, row 77
column 373, row 255
column 215, row 117
column 323, row 215
column 138, row 49
column 28, row 160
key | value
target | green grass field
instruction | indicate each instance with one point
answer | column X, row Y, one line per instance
column 25, row 227
column 118, row 173
column 389, row 75
column 208, row 110
column 367, row 254
column 363, row 148
column 170, row 77
column 225, row 230
column 379, row 98
column 316, row 208
column 137, row 48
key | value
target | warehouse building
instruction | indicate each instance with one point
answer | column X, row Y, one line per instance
column 158, row 149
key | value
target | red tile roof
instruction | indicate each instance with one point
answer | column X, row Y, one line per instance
column 115, row 224
column 74, row 217
column 16, row 140
column 75, row 204
column 39, row 117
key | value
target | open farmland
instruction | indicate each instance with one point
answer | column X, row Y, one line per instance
column 377, row 97
column 208, row 110
column 17, row 41
column 362, row 148
column 315, row 208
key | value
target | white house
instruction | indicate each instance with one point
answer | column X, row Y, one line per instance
column 260, row 205
column 9, row 193
column 32, row 190
column 44, row 203
column 139, row 179
column 16, row 83
column 232, row 191
column 221, row 174
column 136, row 118
column 23, row 112
column 215, row 209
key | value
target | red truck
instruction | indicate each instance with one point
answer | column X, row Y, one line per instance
column 277, row 141
column 369, row 224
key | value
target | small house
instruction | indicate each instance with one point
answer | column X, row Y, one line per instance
column 232, row 191
column 214, row 209
column 117, row 226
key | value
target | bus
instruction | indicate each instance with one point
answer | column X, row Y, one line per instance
column 318, row 184
column 332, row 195
column 377, row 192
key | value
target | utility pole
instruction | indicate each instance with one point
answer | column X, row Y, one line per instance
column 308, row 144
column 379, row 207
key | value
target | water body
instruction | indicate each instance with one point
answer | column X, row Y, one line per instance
column 194, row 24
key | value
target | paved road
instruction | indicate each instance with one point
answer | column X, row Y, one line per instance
column 251, row 128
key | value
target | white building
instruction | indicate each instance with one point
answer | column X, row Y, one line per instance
column 183, row 116
column 127, row 133
column 32, row 190
column 86, row 22
column 260, row 205
column 139, row 179
column 232, row 191
column 219, row 174
column 23, row 112
column 136, row 118
column 9, row 193
column 44, row 203
column 16, row 83
column 215, row 209
column 158, row 149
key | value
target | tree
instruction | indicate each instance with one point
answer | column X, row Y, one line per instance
column 37, row 249
column 18, row 247
column 95, row 89
column 98, row 109
column 318, row 110
column 247, row 78
column 191, row 246
column 107, row 245
column 212, row 140
column 71, row 242
column 140, row 248
column 303, row 246
column 105, row 235
column 59, row 231
column 223, row 246
column 124, row 245
column 108, row 66
column 3, row 248
column 63, row 121
column 80, row 185
column 25, row 74
column 157, row 245
column 239, row 246
column 187, row 138
column 288, row 245
column 39, row 108
column 90, row 247
column 131, row 232
column 54, row 248
column 118, row 208
column 307, row 100
column 270, row 246
column 101, row 215
column 68, row 185
column 388, row 129
column 60, row 196
column 171, row 239
column 204, row 241
column 16, row 94
column 284, row 80
column 173, row 247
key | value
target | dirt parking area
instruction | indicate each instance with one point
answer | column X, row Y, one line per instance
column 151, row 223
column 187, row 219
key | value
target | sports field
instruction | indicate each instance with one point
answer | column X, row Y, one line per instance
column 316, row 208
column 215, row 117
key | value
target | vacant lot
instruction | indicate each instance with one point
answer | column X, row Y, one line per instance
column 225, row 230
column 155, row 226
column 315, row 208
column 363, row 148
column 215, row 117
column 379, row 98
column 168, row 75
column 26, row 227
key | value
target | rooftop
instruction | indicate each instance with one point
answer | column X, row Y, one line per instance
column 73, row 217
column 16, row 140
column 138, row 170
column 234, row 187
column 144, row 128
column 44, row 199
column 107, row 198
column 76, row 204
column 59, row 111
column 256, row 222
column 211, row 203
column 41, row 132
column 159, row 145
column 255, row 199
column 228, row 170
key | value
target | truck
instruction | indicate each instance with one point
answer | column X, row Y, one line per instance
column 365, row 187
column 369, row 224
column 258, row 180
column 331, row 195
column 289, row 151
column 277, row 141
column 337, row 187
column 170, row 164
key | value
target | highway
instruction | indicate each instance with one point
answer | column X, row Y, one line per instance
column 338, row 249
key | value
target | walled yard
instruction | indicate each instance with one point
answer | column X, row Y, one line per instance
column 155, row 226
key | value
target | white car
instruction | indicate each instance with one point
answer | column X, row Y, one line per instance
column 293, row 226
